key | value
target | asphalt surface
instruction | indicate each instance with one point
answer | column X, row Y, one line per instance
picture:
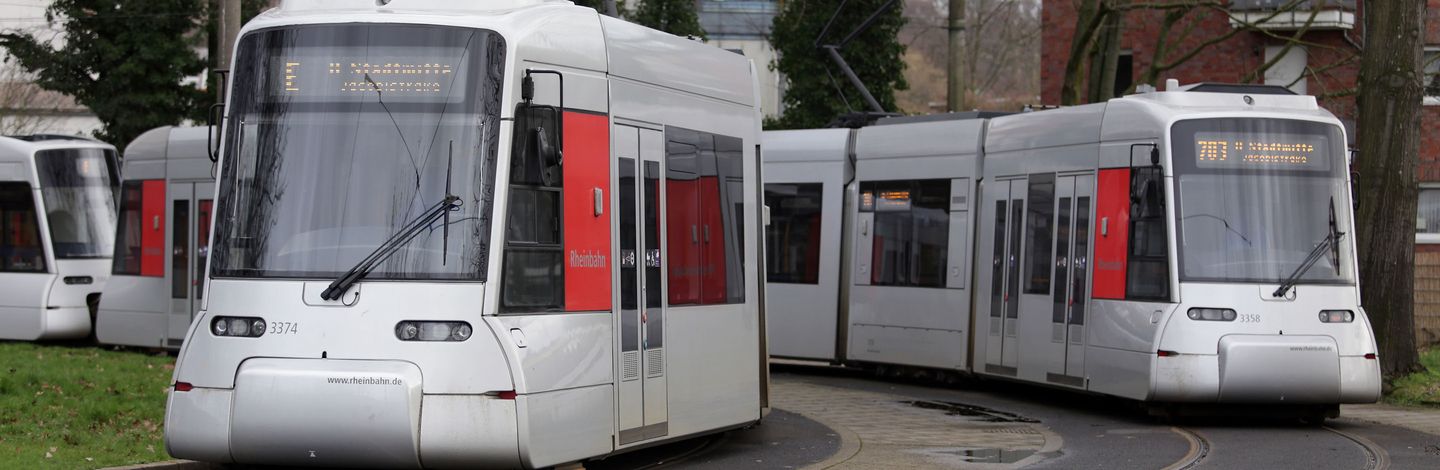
column 1108, row 433
column 1081, row 432
column 782, row 440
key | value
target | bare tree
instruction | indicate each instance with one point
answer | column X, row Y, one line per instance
column 23, row 105
column 1095, row 46
column 998, row 56
column 1391, row 92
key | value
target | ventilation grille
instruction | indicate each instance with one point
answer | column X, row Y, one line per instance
column 654, row 363
column 630, row 367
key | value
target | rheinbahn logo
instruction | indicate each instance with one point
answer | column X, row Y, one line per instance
column 586, row 259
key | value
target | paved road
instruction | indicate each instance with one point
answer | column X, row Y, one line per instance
column 831, row 418
column 1096, row 432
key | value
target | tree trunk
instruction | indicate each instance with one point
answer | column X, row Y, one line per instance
column 1105, row 59
column 1389, row 134
column 955, row 89
column 1087, row 21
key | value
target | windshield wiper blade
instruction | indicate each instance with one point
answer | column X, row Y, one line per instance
column 341, row 284
column 1332, row 240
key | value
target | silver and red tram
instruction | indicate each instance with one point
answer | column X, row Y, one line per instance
column 490, row 234
column 166, row 197
column 1178, row 247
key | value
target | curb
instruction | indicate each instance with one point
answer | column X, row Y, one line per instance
column 170, row 465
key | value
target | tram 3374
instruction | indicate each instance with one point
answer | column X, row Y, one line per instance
column 1185, row 247
column 474, row 234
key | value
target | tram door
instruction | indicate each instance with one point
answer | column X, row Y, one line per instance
column 1007, row 209
column 641, row 390
column 188, row 242
column 1069, row 295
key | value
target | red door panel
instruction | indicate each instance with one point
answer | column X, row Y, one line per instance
column 587, row 235
column 152, row 228
column 1112, row 233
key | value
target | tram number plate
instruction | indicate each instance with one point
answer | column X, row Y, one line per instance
column 1249, row 318
column 282, row 328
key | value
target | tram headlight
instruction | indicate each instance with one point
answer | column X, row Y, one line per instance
column 1336, row 316
column 407, row 331
column 241, row 327
column 1211, row 314
column 433, row 331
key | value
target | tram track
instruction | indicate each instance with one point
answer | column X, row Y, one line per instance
column 1376, row 458
column 704, row 445
column 1199, row 449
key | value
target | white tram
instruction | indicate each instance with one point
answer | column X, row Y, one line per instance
column 57, row 222
column 1186, row 246
column 162, row 240
column 489, row 325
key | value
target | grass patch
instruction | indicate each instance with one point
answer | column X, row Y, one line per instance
column 1420, row 388
column 80, row 406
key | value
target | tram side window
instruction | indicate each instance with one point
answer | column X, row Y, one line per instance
column 793, row 237
column 20, row 247
column 704, row 190
column 534, row 277
column 128, row 236
column 912, row 231
column 1148, row 274
column 1040, row 232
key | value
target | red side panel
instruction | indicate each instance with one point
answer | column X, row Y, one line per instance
column 587, row 235
column 152, row 228
column 1112, row 233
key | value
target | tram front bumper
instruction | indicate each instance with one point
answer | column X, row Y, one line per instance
column 1267, row 369
column 339, row 413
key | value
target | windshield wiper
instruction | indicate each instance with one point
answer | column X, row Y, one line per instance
column 1331, row 242
column 341, row 284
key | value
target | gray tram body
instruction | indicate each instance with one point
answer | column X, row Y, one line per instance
column 156, row 287
column 57, row 220
column 992, row 307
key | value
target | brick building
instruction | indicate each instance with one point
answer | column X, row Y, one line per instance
column 1324, row 63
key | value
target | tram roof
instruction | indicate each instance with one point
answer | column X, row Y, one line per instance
column 921, row 139
column 17, row 148
column 805, row 145
column 1143, row 116
column 553, row 32
column 169, row 143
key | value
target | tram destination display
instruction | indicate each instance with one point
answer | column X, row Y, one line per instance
column 428, row 75
column 1275, row 151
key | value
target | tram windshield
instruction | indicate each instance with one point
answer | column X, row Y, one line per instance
column 340, row 135
column 1254, row 199
column 78, row 189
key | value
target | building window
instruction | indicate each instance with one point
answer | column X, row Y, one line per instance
column 1124, row 73
column 793, row 236
column 912, row 231
column 1427, row 216
column 1432, row 76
